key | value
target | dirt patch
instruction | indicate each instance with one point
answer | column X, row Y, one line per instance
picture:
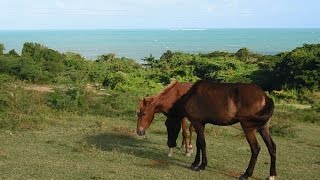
column 297, row 106
column 124, row 130
column 39, row 88
column 233, row 174
column 158, row 163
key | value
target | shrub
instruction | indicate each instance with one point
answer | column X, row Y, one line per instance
column 307, row 115
column 283, row 130
column 22, row 109
column 72, row 99
column 316, row 106
column 287, row 94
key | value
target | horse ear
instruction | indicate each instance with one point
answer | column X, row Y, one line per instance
column 144, row 101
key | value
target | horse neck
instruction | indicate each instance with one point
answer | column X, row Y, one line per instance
column 157, row 106
column 164, row 103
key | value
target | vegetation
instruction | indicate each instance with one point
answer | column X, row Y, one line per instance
column 79, row 114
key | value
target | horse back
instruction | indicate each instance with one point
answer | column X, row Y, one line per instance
column 224, row 103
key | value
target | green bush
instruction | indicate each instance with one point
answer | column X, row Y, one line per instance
column 72, row 99
column 286, row 95
column 316, row 106
column 22, row 109
column 308, row 115
column 282, row 122
column 300, row 68
column 5, row 78
column 283, row 130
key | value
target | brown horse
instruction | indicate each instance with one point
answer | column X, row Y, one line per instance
column 162, row 103
column 225, row 104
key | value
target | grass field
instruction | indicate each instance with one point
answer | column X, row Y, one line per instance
column 95, row 147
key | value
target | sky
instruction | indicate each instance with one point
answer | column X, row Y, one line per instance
column 154, row 14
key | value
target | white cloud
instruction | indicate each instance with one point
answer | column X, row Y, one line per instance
column 60, row 4
column 246, row 13
column 230, row 3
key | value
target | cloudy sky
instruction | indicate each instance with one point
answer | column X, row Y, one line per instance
column 93, row 14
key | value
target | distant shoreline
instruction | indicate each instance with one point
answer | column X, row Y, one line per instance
column 140, row 43
column 200, row 28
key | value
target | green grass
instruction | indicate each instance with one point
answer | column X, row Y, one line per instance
column 95, row 147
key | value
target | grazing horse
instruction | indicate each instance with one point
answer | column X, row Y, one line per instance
column 225, row 104
column 162, row 103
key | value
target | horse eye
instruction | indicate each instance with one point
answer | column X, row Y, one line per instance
column 140, row 114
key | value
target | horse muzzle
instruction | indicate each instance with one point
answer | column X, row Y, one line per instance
column 141, row 132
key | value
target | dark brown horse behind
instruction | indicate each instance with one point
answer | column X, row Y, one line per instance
column 225, row 104
column 162, row 103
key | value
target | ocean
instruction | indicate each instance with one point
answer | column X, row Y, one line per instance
column 140, row 43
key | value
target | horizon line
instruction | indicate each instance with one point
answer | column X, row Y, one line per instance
column 172, row 29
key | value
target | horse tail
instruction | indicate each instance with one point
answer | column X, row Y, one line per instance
column 266, row 112
column 262, row 117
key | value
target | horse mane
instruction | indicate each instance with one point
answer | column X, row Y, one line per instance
column 158, row 97
column 141, row 101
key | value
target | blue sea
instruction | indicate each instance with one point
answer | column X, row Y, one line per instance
column 140, row 43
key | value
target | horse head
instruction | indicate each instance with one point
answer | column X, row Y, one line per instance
column 145, row 114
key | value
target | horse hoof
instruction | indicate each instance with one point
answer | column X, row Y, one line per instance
column 190, row 149
column 242, row 177
column 170, row 153
column 188, row 154
column 201, row 167
column 182, row 146
column 271, row 178
column 194, row 168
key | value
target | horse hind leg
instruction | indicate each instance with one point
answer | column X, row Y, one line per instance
column 184, row 143
column 265, row 134
column 170, row 152
column 189, row 148
column 255, row 149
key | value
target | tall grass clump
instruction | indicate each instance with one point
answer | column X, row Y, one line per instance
column 72, row 99
column 22, row 109
column 316, row 106
column 282, row 127
column 285, row 95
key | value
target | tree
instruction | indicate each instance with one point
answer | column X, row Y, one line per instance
column 167, row 55
column 243, row 54
column 300, row 67
column 13, row 53
column 107, row 57
column 1, row 49
column 151, row 61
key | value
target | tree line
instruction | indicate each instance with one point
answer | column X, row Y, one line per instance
column 290, row 76
column 296, row 69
